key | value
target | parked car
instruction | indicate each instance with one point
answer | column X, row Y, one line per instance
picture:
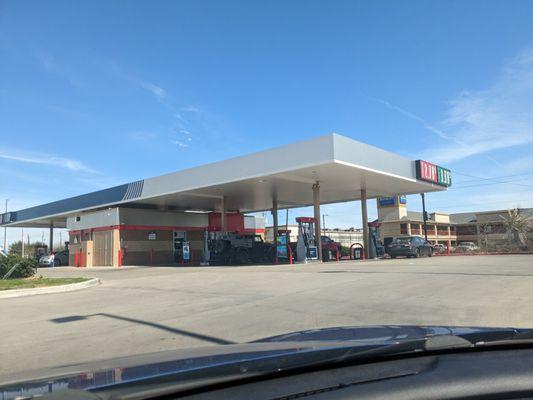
column 465, row 247
column 409, row 246
column 330, row 248
column 44, row 261
column 439, row 248
column 61, row 258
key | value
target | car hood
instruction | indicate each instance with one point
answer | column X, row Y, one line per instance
column 133, row 368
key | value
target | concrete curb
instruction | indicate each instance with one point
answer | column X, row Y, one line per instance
column 6, row 294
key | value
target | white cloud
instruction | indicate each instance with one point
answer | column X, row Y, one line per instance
column 179, row 143
column 191, row 109
column 157, row 91
column 414, row 117
column 496, row 118
column 518, row 165
column 45, row 159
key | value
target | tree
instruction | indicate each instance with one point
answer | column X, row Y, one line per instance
column 16, row 248
column 29, row 249
column 517, row 225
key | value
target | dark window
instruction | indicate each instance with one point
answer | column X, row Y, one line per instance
column 466, row 230
column 442, row 229
column 403, row 229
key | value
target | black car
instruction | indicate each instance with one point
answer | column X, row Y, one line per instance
column 369, row 362
column 409, row 246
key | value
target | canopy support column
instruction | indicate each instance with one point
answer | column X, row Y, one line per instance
column 275, row 224
column 364, row 218
column 318, row 230
column 223, row 219
column 51, row 238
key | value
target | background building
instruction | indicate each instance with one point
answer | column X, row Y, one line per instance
column 485, row 228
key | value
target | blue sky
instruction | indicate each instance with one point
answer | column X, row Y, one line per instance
column 98, row 93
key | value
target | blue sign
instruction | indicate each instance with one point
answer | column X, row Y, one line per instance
column 281, row 250
column 390, row 201
column 386, row 201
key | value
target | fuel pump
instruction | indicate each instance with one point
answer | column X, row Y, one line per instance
column 375, row 247
column 178, row 241
column 306, row 247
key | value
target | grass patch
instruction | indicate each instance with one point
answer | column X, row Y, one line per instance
column 6, row 284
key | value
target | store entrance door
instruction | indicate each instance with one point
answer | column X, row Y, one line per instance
column 178, row 238
column 103, row 249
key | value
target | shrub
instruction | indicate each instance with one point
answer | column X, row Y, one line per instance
column 26, row 266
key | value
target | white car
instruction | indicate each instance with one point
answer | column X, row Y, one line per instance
column 439, row 248
column 44, row 261
column 467, row 246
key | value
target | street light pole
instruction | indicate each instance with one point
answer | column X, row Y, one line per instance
column 324, row 223
column 424, row 216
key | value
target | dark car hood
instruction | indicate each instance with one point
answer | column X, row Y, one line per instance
column 132, row 368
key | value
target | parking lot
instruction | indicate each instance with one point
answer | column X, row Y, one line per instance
column 139, row 310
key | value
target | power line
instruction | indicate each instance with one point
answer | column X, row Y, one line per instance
column 490, row 183
column 491, row 179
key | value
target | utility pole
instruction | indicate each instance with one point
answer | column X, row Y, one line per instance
column 5, row 231
column 324, row 223
column 424, row 216
column 22, row 244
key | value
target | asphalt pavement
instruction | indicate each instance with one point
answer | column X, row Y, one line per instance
column 141, row 310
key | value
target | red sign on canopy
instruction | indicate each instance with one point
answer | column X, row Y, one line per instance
column 427, row 171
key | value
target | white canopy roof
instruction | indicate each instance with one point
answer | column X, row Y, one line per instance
column 250, row 183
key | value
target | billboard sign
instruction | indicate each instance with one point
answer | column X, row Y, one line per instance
column 426, row 171
column 386, row 201
column 390, row 201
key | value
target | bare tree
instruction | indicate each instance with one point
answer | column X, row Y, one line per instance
column 517, row 225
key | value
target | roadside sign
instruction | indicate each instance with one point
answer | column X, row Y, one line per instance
column 152, row 236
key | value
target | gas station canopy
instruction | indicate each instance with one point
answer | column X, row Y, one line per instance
column 251, row 183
